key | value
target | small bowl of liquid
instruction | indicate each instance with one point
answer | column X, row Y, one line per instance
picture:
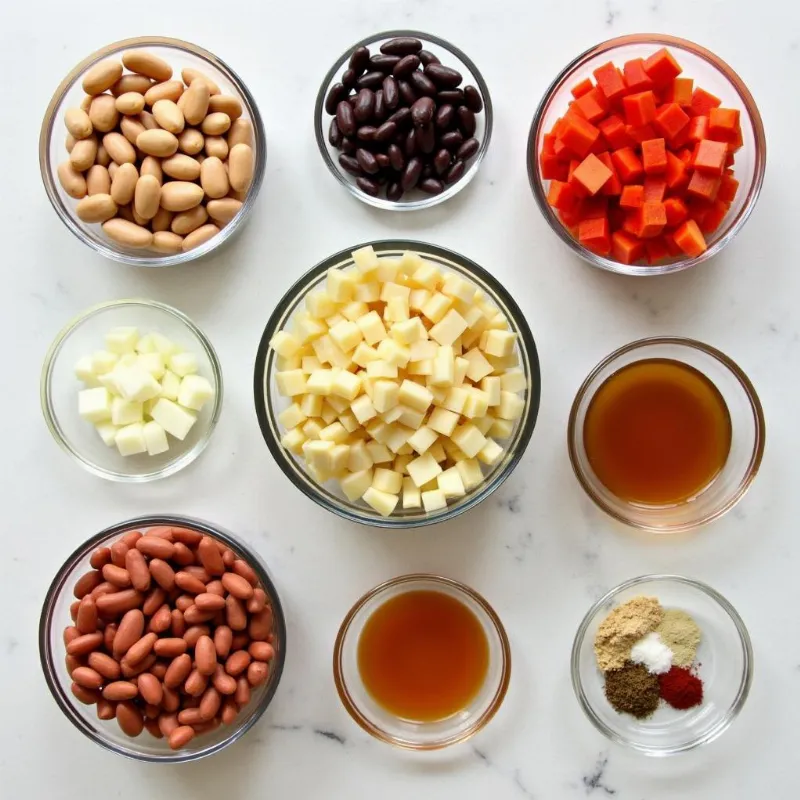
column 666, row 434
column 422, row 662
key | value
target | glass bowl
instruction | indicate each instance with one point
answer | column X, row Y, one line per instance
column 747, row 442
column 708, row 71
column 56, row 616
column 269, row 403
column 178, row 54
column 725, row 659
column 59, row 389
column 401, row 732
column 450, row 56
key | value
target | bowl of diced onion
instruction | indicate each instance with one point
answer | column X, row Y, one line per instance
column 397, row 384
column 132, row 390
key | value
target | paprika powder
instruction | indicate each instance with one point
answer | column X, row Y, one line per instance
column 681, row 688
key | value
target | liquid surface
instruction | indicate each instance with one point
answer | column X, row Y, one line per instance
column 423, row 655
column 657, row 432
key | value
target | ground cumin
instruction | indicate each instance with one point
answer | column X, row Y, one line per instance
column 633, row 690
column 622, row 628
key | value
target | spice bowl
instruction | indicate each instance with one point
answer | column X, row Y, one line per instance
column 450, row 56
column 710, row 72
column 410, row 734
column 59, row 389
column 724, row 658
column 747, row 424
column 55, row 616
column 69, row 94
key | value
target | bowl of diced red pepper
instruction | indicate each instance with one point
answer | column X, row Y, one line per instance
column 647, row 154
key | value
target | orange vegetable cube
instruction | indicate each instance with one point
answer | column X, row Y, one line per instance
column 609, row 79
column 561, row 195
column 626, row 248
column 676, row 175
column 613, row 130
column 657, row 249
column 662, row 67
column 654, row 156
column 703, row 186
column 579, row 135
column 593, row 105
column 703, row 102
column 676, row 211
column 613, row 186
column 582, row 88
column 627, row 164
column 710, row 156
column 654, row 189
column 592, row 174
column 640, row 133
column 636, row 79
column 698, row 128
column 594, row 207
column 640, row 108
column 714, row 217
column 572, row 216
column 672, row 245
column 670, row 120
column 690, row 238
column 632, row 196
column 723, row 124
column 595, row 234
column 553, row 168
column 561, row 151
column 698, row 209
column 652, row 219
column 728, row 187
column 680, row 92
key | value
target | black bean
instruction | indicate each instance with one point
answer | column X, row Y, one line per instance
column 408, row 95
column 405, row 66
column 410, row 144
column 391, row 92
column 359, row 59
column 441, row 161
column 367, row 161
column 368, row 185
column 422, row 83
column 401, row 118
column 380, row 112
column 386, row 132
column 349, row 164
column 455, row 173
column 466, row 121
column 394, row 191
column 468, row 149
column 401, row 46
column 445, row 116
column 383, row 63
column 349, row 78
column 411, row 173
column 422, row 111
column 345, row 119
column 396, row 157
column 454, row 96
column 371, row 80
column 348, row 146
column 443, row 77
column 426, row 57
column 452, row 140
column 431, row 186
column 336, row 94
column 383, row 160
column 426, row 138
column 473, row 100
column 364, row 105
column 366, row 133
column 334, row 134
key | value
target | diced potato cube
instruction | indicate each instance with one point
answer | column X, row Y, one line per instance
column 108, row 432
column 126, row 412
column 293, row 440
column 418, row 298
column 164, row 345
column 334, row 320
column 363, row 409
column 391, row 289
column 103, row 361
column 423, row 438
column 95, row 405
column 346, row 385
column 183, row 364
column 490, row 453
column 434, row 500
column 320, row 304
column 483, row 424
column 356, row 483
column 311, row 405
column 498, row 343
column 394, row 353
column 319, row 382
column 359, row 458
column 381, row 369
column 430, row 486
column 122, row 340
column 379, row 453
column 308, row 328
column 454, row 452
column 436, row 307
column 415, row 396
column 469, row 439
column 371, row 327
column 397, row 436
column 327, row 351
column 284, row 344
column 146, row 344
column 470, row 471
column 335, row 432
column 443, row 367
column 396, row 310
column 84, row 371
column 443, row 421
column 456, row 399
column 346, row 334
column 492, row 385
column 385, row 394
column 152, row 363
column 340, row 285
column 339, row 457
column 501, row 429
column 450, row 483
column 310, row 364
column 130, row 439
column 501, row 364
column 387, row 480
column 174, row 419
column 437, row 451
column 133, row 383
column 388, row 269
column 513, row 381
column 364, row 353
column 439, row 393
column 456, row 286
column 477, row 404
column 393, row 414
column 410, row 262
column 170, row 385
column 411, row 494
column 367, row 292
column 462, row 365
column 291, row 417
column 478, row 367
column 424, row 469
column 408, row 416
column 349, row 421
column 318, row 454
column 365, row 259
column 155, row 438
column 292, row 382
column 427, row 276
column 312, row 429
column 423, row 367
column 383, row 502
column 500, row 322
column 408, row 331
column 195, row 392
column 511, row 406
column 401, row 462
column 378, row 430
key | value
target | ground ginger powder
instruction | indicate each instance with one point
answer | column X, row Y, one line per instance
column 681, row 634
column 623, row 627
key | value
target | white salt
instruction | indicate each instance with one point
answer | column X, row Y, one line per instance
column 652, row 653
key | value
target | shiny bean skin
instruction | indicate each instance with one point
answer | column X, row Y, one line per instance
column 335, row 95
column 82, row 645
column 411, row 174
column 72, row 663
column 205, row 655
column 180, row 737
column 236, row 614
column 170, row 647
column 130, row 719
column 86, row 618
column 189, row 583
column 260, row 625
column 242, row 568
column 86, row 696
column 210, row 602
column 86, row 583
column 364, row 105
column 473, row 100
column 467, row 149
column 237, row 663
column 194, row 615
column 223, row 637
column 116, row 603
column 223, row 682
column 178, row 623
column 106, row 709
column 140, row 650
column 100, row 558
column 240, row 641
column 242, row 694
column 455, row 173
column 160, row 621
column 194, row 633
column 466, row 121
column 431, row 186
column 154, row 599
column 216, row 587
column 87, row 677
column 151, row 726
column 196, row 683
column 136, row 567
column 150, row 688
column 210, row 556
column 405, row 66
column 105, row 665
column 426, row 57
column 120, row 690
column 383, row 62
column 210, row 703
column 167, row 723
column 345, row 118
column 370, row 80
column 171, row 701
column 261, row 651
column 422, row 84
column 130, row 630
column 443, row 77
column 163, row 573
column 117, row 575
column 401, row 46
column 190, row 716
column 155, row 547
column 229, row 711
column 257, row 673
column 178, row 671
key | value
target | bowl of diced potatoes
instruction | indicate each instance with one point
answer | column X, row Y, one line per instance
column 397, row 384
column 132, row 390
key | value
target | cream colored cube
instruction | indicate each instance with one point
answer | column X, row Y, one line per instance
column 427, row 276
column 318, row 454
column 393, row 414
column 483, row 424
column 478, row 367
column 306, row 327
column 422, row 349
column 126, row 412
column 388, row 269
column 500, row 322
column 346, row 385
column 415, row 396
column 444, row 365
column 434, row 500
column 396, row 310
column 84, row 371
column 284, row 344
column 408, row 331
column 443, row 421
column 381, row 369
column 469, row 439
column 319, row 382
column 462, row 365
column 365, row 259
column 170, row 385
column 146, row 344
column 312, row 428
column 501, row 429
column 173, row 418
column 418, row 298
column 511, row 406
column 501, row 364
column 514, row 381
column 339, row 457
column 378, row 430
column 391, row 289
column 458, row 287
column 477, row 404
column 454, row 452
column 183, row 364
column 401, row 462
column 383, row 502
column 379, row 453
column 363, row 409
column 359, row 458
column 152, row 363
column 356, row 483
column 103, row 361
column 393, row 353
column 436, row 307
column 130, row 439
column 309, row 364
column 439, row 392
column 320, row 304
column 367, row 292
column 437, row 451
column 385, row 394
column 412, row 497
column 293, row 441
column 346, row 334
column 108, row 432
column 411, row 418
column 122, row 340
column 492, row 385
column 410, row 262
column 397, row 436
column 292, row 382
column 490, row 453
column 387, row 480
column 335, row 432
column 338, row 404
column 449, row 328
column 470, row 471
column 424, row 367
column 155, row 438
column 164, row 345
column 311, row 405
column 291, row 417
column 456, row 399
column 498, row 343
column 340, row 285
column 451, row 484
column 349, row 421
column 424, row 469
column 372, row 328
column 423, row 439
column 364, row 353
column 195, row 392
column 95, row 405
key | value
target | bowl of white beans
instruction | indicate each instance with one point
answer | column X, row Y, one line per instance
column 152, row 151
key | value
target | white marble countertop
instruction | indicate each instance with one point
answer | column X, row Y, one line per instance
column 538, row 550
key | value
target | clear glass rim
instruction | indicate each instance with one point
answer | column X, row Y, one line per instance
column 45, row 392
column 260, row 148
column 537, row 186
column 755, row 457
column 744, row 685
column 424, row 202
column 362, row 516
column 48, row 659
column 364, row 722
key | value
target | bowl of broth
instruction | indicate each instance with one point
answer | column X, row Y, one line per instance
column 422, row 662
column 666, row 434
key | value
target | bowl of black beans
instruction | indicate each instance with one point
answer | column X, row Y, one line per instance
column 403, row 120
